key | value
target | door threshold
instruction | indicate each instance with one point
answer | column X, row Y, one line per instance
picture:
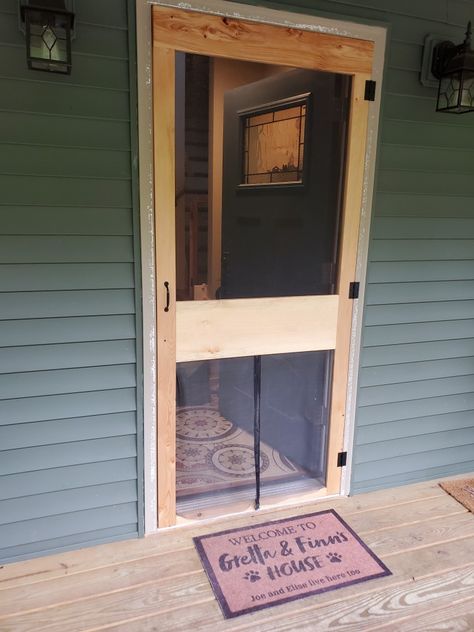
column 246, row 506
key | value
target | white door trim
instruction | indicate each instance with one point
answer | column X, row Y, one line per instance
column 375, row 33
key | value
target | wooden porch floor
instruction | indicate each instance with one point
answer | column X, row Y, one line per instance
column 157, row 584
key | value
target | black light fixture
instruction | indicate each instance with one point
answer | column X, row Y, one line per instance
column 48, row 30
column 453, row 66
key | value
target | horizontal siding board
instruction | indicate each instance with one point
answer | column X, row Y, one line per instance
column 407, row 83
column 56, row 503
column 426, row 9
column 382, row 413
column 63, row 356
column 408, row 30
column 407, row 446
column 67, row 454
column 65, row 249
column 422, row 109
column 432, row 350
column 421, row 133
column 404, row 478
column 427, row 370
column 425, row 228
column 389, row 293
column 64, row 131
column 69, row 477
column 9, row 6
column 68, row 524
column 418, row 332
column 393, row 157
column 63, row 162
column 59, row 330
column 102, row 72
column 405, row 391
column 77, row 541
column 67, row 430
column 416, row 428
column 405, row 55
column 52, row 97
column 399, row 17
column 98, row 40
column 65, row 276
column 421, row 249
column 411, row 181
column 26, row 190
column 417, row 462
column 406, row 205
column 18, row 305
column 49, row 407
column 419, row 312
column 399, row 271
column 55, row 382
column 459, row 11
column 40, row 220
column 108, row 12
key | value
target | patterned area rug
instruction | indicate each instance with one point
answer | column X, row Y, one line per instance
column 214, row 454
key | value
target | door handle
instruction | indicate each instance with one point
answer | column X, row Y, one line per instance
column 167, row 287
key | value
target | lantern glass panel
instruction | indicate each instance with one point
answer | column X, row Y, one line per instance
column 48, row 37
column 467, row 95
column 448, row 92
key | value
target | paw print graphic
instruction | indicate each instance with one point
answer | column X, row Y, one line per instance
column 334, row 557
column 252, row 576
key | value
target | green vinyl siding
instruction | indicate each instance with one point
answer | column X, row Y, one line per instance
column 415, row 400
column 70, row 421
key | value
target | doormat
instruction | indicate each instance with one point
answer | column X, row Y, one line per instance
column 462, row 490
column 275, row 562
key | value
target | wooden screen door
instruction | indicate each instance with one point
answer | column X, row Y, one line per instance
column 295, row 317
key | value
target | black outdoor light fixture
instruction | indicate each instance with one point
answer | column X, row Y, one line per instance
column 453, row 66
column 48, row 28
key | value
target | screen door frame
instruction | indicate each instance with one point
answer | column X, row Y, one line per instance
column 186, row 31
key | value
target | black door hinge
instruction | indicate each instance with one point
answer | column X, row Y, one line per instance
column 342, row 459
column 354, row 289
column 369, row 94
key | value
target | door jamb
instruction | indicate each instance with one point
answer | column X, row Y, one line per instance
column 377, row 34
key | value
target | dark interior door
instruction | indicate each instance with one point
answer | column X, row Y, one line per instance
column 279, row 238
column 281, row 209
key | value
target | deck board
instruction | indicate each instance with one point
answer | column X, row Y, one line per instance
column 424, row 536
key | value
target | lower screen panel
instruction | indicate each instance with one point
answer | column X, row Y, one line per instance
column 215, row 427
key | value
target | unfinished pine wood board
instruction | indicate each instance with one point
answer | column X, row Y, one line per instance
column 457, row 616
column 150, row 570
column 231, row 328
column 179, row 602
column 164, row 191
column 446, row 578
column 353, row 187
column 253, row 41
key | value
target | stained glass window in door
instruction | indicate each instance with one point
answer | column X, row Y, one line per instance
column 274, row 144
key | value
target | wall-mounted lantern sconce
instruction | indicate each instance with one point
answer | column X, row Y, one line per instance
column 48, row 28
column 453, row 66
